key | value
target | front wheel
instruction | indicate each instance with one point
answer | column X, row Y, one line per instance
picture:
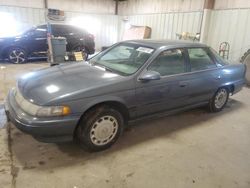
column 100, row 128
column 17, row 55
column 219, row 100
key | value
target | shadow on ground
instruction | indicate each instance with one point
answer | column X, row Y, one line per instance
column 42, row 156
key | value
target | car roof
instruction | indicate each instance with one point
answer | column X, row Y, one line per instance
column 166, row 43
column 64, row 26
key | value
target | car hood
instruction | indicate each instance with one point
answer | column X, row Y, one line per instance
column 64, row 82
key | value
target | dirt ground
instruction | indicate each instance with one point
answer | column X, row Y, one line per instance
column 191, row 149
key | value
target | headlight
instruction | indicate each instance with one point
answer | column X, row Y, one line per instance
column 53, row 111
column 40, row 111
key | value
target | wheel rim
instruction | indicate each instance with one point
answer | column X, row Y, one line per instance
column 220, row 98
column 17, row 56
column 104, row 130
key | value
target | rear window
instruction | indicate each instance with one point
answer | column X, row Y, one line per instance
column 61, row 30
column 220, row 61
column 200, row 59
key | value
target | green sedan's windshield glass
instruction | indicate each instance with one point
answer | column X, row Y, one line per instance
column 124, row 59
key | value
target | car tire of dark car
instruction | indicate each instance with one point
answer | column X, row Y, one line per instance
column 100, row 128
column 17, row 55
column 219, row 100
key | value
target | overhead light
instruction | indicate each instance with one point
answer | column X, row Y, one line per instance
column 10, row 25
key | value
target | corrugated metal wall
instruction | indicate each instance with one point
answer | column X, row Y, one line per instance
column 134, row 7
column 165, row 26
column 86, row 6
column 232, row 26
column 230, row 4
column 23, row 3
column 106, row 32
column 27, row 16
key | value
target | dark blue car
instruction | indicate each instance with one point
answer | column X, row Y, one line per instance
column 33, row 43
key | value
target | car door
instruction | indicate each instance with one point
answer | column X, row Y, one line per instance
column 36, row 40
column 170, row 90
column 204, row 77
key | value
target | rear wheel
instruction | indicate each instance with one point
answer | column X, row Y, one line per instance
column 17, row 55
column 219, row 100
column 100, row 128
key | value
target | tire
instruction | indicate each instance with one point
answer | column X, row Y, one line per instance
column 219, row 100
column 245, row 59
column 100, row 128
column 17, row 55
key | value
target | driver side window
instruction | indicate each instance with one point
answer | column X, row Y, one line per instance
column 169, row 62
column 38, row 32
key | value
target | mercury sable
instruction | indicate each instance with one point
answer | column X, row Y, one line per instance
column 93, row 102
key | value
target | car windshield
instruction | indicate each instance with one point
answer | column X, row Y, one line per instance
column 124, row 59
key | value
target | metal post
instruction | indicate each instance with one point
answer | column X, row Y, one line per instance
column 49, row 34
column 116, row 7
column 205, row 20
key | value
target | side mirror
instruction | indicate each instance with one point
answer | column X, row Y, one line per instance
column 150, row 75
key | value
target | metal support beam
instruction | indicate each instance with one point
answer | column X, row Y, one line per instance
column 209, row 4
column 46, row 4
column 116, row 7
column 205, row 22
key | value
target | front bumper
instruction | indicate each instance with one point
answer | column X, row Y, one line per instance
column 49, row 129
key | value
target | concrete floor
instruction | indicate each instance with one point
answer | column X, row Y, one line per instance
column 191, row 149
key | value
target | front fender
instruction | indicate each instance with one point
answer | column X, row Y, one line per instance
column 103, row 100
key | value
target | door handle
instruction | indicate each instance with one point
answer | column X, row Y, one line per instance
column 183, row 84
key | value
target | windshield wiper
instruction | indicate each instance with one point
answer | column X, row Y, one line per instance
column 103, row 67
column 109, row 69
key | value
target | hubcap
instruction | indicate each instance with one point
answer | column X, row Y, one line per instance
column 17, row 56
column 220, row 98
column 104, row 130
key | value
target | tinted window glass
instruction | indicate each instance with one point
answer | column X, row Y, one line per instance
column 37, row 32
column 199, row 59
column 169, row 62
column 40, row 32
column 64, row 30
column 58, row 30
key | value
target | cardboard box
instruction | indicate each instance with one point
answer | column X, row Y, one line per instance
column 137, row 32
